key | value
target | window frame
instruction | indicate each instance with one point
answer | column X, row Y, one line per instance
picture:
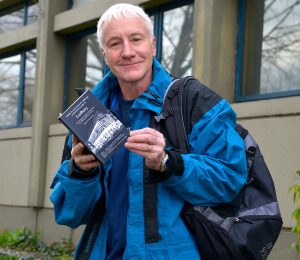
column 21, row 86
column 239, row 64
column 69, row 38
column 22, row 4
column 22, row 70
column 158, row 18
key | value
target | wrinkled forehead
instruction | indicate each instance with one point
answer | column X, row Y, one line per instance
column 118, row 19
column 126, row 25
column 121, row 19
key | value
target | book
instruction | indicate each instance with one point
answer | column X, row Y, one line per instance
column 95, row 126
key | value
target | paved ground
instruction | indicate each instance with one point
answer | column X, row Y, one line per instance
column 22, row 255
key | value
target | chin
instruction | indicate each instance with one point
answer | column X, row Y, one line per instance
column 132, row 77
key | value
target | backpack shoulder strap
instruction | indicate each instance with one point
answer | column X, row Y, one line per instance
column 177, row 104
column 243, row 132
column 172, row 106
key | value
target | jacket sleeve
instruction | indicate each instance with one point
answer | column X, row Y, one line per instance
column 74, row 197
column 215, row 169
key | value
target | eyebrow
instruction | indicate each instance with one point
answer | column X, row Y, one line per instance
column 130, row 35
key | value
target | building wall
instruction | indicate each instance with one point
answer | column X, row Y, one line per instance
column 29, row 157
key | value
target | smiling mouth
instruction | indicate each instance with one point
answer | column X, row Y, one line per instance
column 130, row 64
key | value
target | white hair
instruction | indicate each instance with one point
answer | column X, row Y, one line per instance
column 122, row 10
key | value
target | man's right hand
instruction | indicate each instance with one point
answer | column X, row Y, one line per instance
column 83, row 161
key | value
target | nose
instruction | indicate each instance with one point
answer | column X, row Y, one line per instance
column 128, row 50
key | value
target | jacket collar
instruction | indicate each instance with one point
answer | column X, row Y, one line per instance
column 151, row 99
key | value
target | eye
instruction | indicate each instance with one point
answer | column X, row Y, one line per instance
column 136, row 39
column 114, row 44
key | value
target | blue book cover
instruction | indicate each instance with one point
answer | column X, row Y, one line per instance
column 95, row 126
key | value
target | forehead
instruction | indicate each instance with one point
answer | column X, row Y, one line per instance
column 124, row 26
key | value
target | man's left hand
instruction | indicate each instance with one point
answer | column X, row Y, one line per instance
column 150, row 144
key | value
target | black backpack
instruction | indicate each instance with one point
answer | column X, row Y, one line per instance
column 245, row 228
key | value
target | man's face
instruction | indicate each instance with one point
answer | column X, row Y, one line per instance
column 129, row 50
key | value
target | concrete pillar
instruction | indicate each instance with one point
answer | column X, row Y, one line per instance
column 215, row 34
column 48, row 98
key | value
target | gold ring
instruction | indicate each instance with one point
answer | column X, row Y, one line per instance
column 149, row 148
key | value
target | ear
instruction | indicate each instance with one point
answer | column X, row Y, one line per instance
column 105, row 59
column 153, row 44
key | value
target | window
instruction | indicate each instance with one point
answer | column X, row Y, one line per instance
column 173, row 25
column 77, row 3
column 85, row 64
column 18, row 15
column 17, row 81
column 268, row 61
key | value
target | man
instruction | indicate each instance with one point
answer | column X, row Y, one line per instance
column 211, row 174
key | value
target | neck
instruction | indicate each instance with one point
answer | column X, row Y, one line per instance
column 131, row 90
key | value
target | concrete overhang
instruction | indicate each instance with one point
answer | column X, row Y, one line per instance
column 83, row 17
column 18, row 38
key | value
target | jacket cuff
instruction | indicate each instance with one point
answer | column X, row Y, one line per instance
column 175, row 166
column 75, row 172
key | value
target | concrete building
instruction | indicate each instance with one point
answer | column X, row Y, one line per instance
column 48, row 48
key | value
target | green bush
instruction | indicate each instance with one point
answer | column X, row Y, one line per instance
column 24, row 239
column 296, row 213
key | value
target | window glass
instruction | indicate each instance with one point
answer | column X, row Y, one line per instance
column 9, row 90
column 29, row 86
column 12, row 20
column 85, row 64
column 271, row 48
column 280, row 65
column 177, row 47
column 13, row 17
column 76, row 3
column 94, row 61
column 33, row 12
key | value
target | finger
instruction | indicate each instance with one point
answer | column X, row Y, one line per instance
column 90, row 164
column 86, row 158
column 74, row 140
column 147, row 139
column 143, row 147
column 77, row 149
column 146, row 130
column 82, row 160
column 144, row 154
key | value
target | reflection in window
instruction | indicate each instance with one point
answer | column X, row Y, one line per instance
column 12, row 20
column 17, row 85
column 271, row 48
column 281, row 46
column 173, row 29
column 18, row 15
column 9, row 90
column 94, row 62
column 177, row 40
column 33, row 12
column 77, row 3
column 85, row 64
column 29, row 86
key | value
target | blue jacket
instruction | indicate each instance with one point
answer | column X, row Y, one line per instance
column 214, row 172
